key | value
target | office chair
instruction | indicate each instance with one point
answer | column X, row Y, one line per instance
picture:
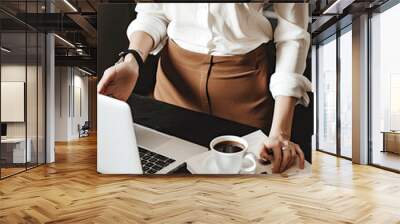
column 84, row 130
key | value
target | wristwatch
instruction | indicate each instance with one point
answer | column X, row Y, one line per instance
column 135, row 54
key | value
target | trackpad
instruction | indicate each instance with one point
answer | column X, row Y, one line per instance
column 149, row 138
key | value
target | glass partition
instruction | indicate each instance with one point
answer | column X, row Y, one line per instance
column 14, row 153
column 22, row 77
column 327, row 98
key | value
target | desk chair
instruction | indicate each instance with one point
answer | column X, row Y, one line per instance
column 84, row 130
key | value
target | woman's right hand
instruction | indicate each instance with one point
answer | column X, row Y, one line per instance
column 119, row 80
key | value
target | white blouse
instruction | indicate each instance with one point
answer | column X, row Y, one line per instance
column 234, row 29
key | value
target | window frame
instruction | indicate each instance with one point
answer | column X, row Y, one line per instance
column 333, row 37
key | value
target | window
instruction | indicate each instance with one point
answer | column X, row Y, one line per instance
column 346, row 95
column 326, row 136
column 385, row 89
column 334, row 94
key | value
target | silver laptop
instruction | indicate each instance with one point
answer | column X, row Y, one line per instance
column 127, row 148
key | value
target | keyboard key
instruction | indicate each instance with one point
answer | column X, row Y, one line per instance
column 169, row 161
column 150, row 153
column 161, row 163
column 153, row 162
column 156, row 167
column 160, row 157
column 151, row 171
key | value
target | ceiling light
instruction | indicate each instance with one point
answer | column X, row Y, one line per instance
column 64, row 40
column 337, row 7
column 70, row 5
column 5, row 50
column 84, row 71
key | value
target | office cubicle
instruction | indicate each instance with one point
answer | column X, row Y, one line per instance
column 22, row 77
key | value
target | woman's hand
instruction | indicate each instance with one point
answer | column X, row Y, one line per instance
column 119, row 80
column 278, row 148
column 282, row 153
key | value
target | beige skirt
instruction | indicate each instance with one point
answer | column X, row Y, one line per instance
column 231, row 87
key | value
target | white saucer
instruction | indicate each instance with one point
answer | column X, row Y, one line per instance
column 206, row 164
column 209, row 165
column 203, row 164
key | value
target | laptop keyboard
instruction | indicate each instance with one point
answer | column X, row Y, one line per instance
column 153, row 162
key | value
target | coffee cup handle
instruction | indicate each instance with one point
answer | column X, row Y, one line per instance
column 252, row 157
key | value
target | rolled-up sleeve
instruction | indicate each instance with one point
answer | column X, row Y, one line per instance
column 151, row 20
column 292, row 44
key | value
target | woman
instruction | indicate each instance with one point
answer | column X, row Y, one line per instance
column 214, row 61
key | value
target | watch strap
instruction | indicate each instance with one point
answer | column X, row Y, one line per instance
column 136, row 55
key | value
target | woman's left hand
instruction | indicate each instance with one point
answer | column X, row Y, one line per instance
column 282, row 153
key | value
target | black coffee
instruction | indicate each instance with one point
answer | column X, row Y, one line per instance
column 229, row 147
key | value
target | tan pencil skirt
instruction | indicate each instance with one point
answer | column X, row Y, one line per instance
column 231, row 87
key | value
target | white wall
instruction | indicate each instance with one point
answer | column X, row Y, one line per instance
column 80, row 102
column 12, row 101
column 71, row 94
column 62, row 81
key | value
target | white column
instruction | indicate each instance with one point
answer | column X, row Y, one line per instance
column 50, row 98
column 314, row 86
column 360, row 90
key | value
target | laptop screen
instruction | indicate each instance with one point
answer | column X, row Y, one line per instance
column 3, row 129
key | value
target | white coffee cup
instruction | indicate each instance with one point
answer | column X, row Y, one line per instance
column 233, row 162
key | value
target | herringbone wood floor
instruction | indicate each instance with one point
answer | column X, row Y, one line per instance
column 70, row 191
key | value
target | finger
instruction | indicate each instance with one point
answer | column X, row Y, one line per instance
column 300, row 154
column 265, row 156
column 293, row 162
column 277, row 159
column 105, row 80
column 293, row 157
column 285, row 160
column 276, row 146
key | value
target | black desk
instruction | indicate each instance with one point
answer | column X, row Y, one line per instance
column 199, row 128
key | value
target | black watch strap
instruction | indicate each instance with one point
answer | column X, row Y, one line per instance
column 136, row 55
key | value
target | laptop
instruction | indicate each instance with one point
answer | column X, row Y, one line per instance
column 3, row 131
column 127, row 148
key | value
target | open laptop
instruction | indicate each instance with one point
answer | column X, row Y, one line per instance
column 127, row 148
column 3, row 131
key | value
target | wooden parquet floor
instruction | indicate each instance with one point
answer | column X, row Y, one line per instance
column 70, row 191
